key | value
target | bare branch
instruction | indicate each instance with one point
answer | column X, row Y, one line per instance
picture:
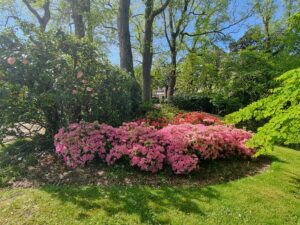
column 219, row 31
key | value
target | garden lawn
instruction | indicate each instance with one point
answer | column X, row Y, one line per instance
column 271, row 197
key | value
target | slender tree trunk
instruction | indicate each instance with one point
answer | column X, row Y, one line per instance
column 77, row 15
column 268, row 35
column 147, row 60
column 126, row 61
column 166, row 91
column 150, row 15
column 172, row 76
column 90, row 24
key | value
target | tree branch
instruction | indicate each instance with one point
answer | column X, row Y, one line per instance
column 219, row 31
column 159, row 10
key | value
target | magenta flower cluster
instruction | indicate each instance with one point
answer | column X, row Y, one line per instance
column 150, row 149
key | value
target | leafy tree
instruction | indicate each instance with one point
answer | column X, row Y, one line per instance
column 266, row 10
column 281, row 109
column 51, row 79
column 198, row 72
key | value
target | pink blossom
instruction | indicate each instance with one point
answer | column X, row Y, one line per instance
column 11, row 60
column 79, row 74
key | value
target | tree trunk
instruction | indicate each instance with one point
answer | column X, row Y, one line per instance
column 77, row 15
column 90, row 23
column 147, row 60
column 126, row 61
column 150, row 15
column 166, row 91
column 172, row 76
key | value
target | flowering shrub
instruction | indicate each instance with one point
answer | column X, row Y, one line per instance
column 140, row 144
column 196, row 118
column 178, row 141
column 181, row 146
column 185, row 142
column 222, row 142
column 80, row 142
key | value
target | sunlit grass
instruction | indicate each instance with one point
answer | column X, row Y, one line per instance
column 272, row 197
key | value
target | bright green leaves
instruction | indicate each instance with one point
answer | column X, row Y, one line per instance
column 281, row 108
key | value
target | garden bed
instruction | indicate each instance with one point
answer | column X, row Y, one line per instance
column 22, row 166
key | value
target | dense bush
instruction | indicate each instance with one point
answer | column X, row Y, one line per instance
column 52, row 79
column 194, row 102
column 180, row 146
column 281, row 110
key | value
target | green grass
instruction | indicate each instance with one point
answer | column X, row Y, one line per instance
column 271, row 197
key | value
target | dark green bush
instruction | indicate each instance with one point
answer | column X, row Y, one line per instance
column 224, row 105
column 52, row 79
column 197, row 102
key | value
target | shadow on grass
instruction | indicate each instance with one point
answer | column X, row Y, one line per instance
column 137, row 200
column 23, row 164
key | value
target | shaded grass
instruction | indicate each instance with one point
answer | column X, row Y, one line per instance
column 271, row 197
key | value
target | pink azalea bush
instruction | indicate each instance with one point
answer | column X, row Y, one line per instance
column 140, row 144
column 186, row 144
column 143, row 146
column 80, row 142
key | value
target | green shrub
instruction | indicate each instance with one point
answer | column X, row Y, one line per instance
column 194, row 102
column 225, row 105
column 282, row 111
column 52, row 79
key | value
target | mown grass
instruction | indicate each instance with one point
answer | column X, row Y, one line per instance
column 271, row 197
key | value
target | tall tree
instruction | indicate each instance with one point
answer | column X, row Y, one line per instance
column 80, row 8
column 173, row 27
column 150, row 14
column 266, row 10
column 291, row 7
column 126, row 61
column 197, row 19
column 44, row 19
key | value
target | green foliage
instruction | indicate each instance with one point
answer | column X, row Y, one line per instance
column 198, row 71
column 281, row 108
column 52, row 79
column 196, row 102
column 293, row 32
column 246, row 75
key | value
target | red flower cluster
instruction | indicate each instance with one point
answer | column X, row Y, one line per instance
column 158, row 123
column 182, row 118
column 196, row 118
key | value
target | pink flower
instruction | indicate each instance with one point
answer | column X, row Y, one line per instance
column 11, row 60
column 25, row 61
column 79, row 74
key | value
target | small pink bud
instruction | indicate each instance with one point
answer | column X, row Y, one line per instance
column 79, row 74
column 25, row 61
column 84, row 81
column 11, row 60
